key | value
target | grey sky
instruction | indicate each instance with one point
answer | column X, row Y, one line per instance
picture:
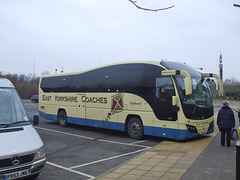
column 82, row 34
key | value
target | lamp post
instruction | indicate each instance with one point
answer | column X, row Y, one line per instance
column 236, row 5
column 220, row 71
column 34, row 75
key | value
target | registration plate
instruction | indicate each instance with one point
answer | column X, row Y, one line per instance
column 17, row 174
column 203, row 132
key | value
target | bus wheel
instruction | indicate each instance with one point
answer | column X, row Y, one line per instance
column 135, row 128
column 62, row 118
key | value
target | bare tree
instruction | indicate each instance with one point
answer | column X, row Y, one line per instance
column 148, row 9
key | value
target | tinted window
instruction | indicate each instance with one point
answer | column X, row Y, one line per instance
column 139, row 79
column 170, row 65
column 121, row 78
column 163, row 102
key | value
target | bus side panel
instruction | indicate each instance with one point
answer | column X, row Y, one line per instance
column 146, row 118
column 112, row 121
column 138, row 107
column 50, row 112
column 78, row 121
column 113, row 125
column 93, row 117
column 178, row 134
column 165, row 132
column 148, row 130
column 169, row 129
column 100, row 118
column 46, row 111
column 47, row 116
column 71, row 114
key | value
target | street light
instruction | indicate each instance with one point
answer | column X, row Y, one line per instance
column 236, row 5
column 34, row 75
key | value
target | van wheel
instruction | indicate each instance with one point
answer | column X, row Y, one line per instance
column 62, row 119
column 135, row 128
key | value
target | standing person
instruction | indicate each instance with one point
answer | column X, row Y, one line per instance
column 225, row 122
column 238, row 111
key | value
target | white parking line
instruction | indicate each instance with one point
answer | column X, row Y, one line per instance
column 69, row 169
column 126, row 144
column 137, row 142
column 60, row 132
column 101, row 140
column 110, row 158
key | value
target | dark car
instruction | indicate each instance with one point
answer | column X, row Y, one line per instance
column 34, row 98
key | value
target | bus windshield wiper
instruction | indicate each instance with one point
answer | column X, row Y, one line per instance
column 17, row 122
column 194, row 109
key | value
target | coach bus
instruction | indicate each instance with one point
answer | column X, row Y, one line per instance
column 165, row 99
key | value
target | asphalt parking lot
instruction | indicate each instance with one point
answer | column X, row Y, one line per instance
column 79, row 152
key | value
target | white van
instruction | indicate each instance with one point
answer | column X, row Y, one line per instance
column 21, row 148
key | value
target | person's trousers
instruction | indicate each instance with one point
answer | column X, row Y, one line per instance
column 225, row 135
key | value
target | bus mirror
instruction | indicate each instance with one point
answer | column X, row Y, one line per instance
column 174, row 101
column 220, row 84
column 187, row 79
column 187, row 82
column 169, row 73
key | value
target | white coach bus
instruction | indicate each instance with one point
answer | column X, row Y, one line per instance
column 165, row 99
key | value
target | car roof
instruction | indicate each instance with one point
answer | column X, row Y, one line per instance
column 6, row 83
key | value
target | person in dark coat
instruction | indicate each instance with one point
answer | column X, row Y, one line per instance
column 225, row 122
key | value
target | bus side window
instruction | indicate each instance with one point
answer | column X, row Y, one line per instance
column 161, row 93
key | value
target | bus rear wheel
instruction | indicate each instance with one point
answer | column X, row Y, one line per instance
column 62, row 118
column 135, row 128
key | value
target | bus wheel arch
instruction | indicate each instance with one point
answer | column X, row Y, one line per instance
column 62, row 118
column 134, row 127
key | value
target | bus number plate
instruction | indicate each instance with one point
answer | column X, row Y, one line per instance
column 203, row 132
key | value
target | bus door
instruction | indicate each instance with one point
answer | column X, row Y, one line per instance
column 81, row 110
column 166, row 114
column 163, row 101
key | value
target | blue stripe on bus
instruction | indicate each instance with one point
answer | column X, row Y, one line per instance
column 47, row 116
column 87, row 122
column 178, row 134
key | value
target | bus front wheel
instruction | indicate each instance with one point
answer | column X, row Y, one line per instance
column 135, row 128
column 62, row 118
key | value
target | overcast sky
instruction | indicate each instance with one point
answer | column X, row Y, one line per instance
column 82, row 34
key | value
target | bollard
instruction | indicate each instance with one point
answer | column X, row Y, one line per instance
column 238, row 160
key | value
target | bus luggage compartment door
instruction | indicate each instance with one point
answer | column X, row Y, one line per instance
column 81, row 110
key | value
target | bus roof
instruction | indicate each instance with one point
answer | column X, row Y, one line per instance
column 6, row 83
column 165, row 64
column 157, row 63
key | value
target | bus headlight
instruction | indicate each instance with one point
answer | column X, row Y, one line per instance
column 191, row 129
column 40, row 154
